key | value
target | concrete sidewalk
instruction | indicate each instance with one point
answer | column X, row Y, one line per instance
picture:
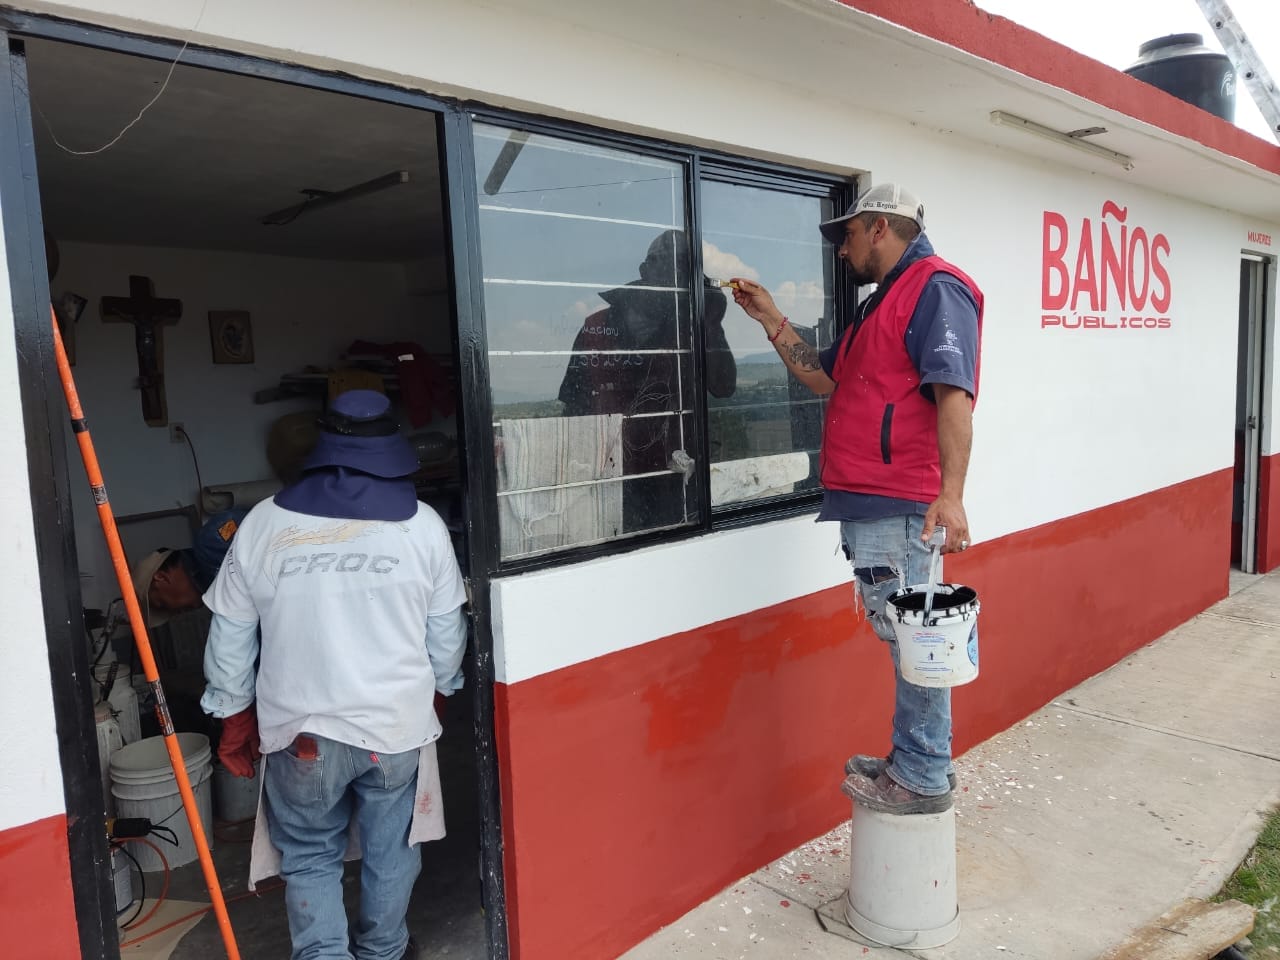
column 1144, row 785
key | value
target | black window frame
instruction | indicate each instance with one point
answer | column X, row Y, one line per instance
column 699, row 163
column 840, row 192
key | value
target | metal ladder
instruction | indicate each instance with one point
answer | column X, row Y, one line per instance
column 1244, row 57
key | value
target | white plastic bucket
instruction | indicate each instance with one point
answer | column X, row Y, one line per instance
column 902, row 881
column 121, row 879
column 143, row 785
column 123, row 699
column 235, row 799
column 944, row 651
column 109, row 742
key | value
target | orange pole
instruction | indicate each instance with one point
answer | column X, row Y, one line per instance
column 143, row 642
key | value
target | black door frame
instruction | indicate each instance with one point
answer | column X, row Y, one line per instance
column 43, row 415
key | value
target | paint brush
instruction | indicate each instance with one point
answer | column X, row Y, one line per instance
column 712, row 282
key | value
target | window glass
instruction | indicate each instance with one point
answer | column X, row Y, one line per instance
column 764, row 431
column 588, row 315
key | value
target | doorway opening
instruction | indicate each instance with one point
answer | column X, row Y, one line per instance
column 1250, row 378
column 283, row 244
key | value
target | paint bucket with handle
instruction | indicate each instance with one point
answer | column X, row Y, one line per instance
column 937, row 629
column 902, row 880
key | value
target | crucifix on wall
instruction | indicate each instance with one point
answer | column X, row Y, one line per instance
column 148, row 314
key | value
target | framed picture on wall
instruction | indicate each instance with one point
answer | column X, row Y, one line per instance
column 231, row 336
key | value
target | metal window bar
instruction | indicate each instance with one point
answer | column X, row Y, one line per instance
column 757, row 456
column 667, row 351
column 547, row 488
column 500, row 281
column 579, row 148
column 681, row 414
column 493, row 208
column 625, row 416
column 678, row 203
column 763, row 405
column 792, row 241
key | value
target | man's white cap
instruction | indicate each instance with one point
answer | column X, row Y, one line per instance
column 883, row 198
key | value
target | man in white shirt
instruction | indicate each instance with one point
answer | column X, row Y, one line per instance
column 356, row 591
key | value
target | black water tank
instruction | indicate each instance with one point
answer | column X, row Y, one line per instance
column 1182, row 65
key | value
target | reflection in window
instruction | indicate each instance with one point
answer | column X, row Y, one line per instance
column 764, row 434
column 588, row 315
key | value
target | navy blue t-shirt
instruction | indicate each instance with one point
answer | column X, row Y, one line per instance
column 942, row 342
column 212, row 542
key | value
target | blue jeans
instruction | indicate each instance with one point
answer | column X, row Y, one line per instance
column 311, row 801
column 888, row 554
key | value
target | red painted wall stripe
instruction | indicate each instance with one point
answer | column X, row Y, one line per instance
column 638, row 784
column 960, row 24
column 37, row 912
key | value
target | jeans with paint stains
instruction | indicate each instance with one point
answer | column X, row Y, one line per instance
column 313, row 794
column 887, row 554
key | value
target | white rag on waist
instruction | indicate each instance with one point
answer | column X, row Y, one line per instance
column 428, row 820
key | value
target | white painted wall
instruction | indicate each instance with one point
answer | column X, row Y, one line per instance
column 30, row 777
column 1068, row 421
column 559, row 617
column 302, row 311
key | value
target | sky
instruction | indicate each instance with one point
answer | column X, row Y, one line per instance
column 1112, row 30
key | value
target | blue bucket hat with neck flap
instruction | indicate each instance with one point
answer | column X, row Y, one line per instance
column 361, row 466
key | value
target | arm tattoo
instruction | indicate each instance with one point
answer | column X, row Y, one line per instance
column 803, row 356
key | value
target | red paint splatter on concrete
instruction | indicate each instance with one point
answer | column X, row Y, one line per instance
column 785, row 903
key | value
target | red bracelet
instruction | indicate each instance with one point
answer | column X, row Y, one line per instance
column 777, row 333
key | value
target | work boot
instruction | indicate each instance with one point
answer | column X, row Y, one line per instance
column 865, row 765
column 886, row 795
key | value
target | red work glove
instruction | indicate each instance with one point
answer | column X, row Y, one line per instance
column 440, row 703
column 238, row 746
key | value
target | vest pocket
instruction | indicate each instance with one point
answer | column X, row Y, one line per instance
column 886, row 427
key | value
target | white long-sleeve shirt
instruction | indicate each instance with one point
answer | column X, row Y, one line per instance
column 361, row 622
